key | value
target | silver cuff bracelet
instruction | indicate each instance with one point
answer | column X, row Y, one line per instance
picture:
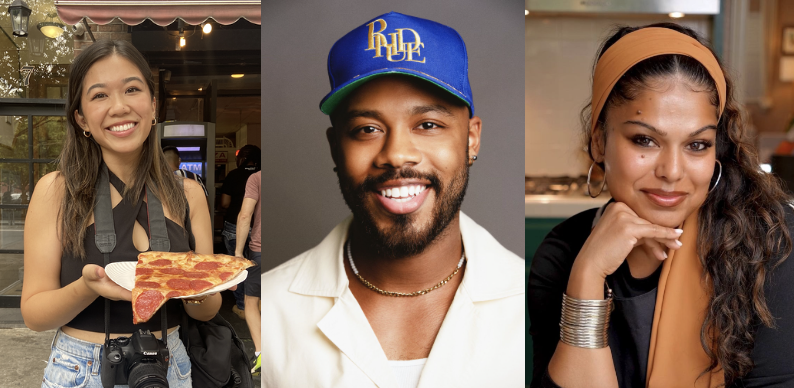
column 584, row 323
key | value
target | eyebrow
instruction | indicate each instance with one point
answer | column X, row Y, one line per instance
column 133, row 78
column 125, row 80
column 373, row 114
column 94, row 86
column 431, row 108
column 350, row 115
column 663, row 133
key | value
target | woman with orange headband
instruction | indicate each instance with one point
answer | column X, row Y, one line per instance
column 683, row 278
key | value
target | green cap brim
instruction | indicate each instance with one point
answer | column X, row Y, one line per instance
column 329, row 105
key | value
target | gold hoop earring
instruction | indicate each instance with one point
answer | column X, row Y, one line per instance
column 603, row 184
column 86, row 134
column 154, row 121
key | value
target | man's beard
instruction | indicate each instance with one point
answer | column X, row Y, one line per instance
column 405, row 238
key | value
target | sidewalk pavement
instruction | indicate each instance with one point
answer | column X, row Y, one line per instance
column 24, row 353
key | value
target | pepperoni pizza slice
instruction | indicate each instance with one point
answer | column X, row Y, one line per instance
column 160, row 276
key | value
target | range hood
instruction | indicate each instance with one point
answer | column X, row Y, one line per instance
column 690, row 7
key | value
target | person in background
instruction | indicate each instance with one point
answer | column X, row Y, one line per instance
column 249, row 160
column 173, row 160
column 251, row 211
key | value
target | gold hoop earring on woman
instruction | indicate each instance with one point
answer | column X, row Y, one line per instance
column 154, row 121
column 719, row 175
column 604, row 183
column 86, row 134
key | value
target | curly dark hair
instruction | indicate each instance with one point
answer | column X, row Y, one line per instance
column 743, row 234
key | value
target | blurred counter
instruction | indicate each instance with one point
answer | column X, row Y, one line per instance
column 559, row 206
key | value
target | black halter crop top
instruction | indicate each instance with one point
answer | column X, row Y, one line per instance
column 124, row 216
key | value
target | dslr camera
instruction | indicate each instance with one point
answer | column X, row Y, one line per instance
column 140, row 361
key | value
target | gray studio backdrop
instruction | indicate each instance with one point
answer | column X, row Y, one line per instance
column 301, row 201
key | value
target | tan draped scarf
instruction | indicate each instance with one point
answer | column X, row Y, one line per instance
column 676, row 357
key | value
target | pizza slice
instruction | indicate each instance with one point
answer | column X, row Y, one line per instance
column 160, row 276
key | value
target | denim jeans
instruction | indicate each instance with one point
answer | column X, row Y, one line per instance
column 230, row 240
column 253, row 283
column 77, row 363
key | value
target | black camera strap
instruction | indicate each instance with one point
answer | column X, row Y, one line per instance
column 105, row 238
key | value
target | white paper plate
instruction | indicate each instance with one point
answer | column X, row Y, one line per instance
column 123, row 274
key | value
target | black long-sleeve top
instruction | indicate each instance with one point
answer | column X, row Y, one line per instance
column 631, row 321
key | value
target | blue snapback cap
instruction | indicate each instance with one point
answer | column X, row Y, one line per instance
column 394, row 43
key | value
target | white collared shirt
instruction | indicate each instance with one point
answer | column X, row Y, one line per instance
column 315, row 334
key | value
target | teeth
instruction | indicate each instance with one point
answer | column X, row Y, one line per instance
column 404, row 193
column 120, row 128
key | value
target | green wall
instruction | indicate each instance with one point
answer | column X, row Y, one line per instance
column 535, row 230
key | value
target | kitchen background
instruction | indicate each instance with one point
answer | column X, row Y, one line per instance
column 753, row 38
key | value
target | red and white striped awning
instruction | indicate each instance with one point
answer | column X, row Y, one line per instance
column 161, row 12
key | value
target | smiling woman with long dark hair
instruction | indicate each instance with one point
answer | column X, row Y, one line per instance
column 110, row 133
column 683, row 278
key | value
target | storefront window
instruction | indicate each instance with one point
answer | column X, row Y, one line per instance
column 14, row 185
column 42, row 169
column 11, row 274
column 13, row 137
column 49, row 133
column 30, row 141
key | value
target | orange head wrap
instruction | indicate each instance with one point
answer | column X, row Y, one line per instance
column 643, row 44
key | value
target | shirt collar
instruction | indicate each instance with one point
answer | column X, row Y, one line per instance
column 487, row 276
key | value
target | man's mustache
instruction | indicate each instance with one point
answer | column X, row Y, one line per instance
column 371, row 182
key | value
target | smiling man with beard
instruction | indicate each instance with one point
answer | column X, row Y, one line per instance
column 409, row 291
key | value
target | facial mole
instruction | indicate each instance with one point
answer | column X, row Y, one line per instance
column 642, row 156
column 639, row 112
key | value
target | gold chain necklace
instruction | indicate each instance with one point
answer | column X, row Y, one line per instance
column 394, row 293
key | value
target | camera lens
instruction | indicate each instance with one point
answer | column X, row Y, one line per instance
column 148, row 375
